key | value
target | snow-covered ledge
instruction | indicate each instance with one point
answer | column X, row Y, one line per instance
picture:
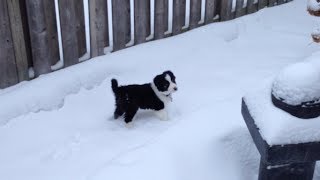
column 289, row 146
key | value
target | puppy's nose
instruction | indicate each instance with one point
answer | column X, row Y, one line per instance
column 175, row 88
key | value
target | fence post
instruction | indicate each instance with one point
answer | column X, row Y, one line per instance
column 99, row 32
column 160, row 18
column 39, row 37
column 226, row 7
column 179, row 14
column 121, row 23
column 141, row 20
column 68, row 22
column 195, row 13
column 8, row 72
column 20, row 50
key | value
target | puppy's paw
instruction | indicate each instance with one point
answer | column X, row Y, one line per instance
column 129, row 125
column 162, row 115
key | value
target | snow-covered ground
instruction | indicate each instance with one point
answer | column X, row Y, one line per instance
column 59, row 126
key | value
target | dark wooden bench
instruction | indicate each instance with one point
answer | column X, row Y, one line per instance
column 282, row 162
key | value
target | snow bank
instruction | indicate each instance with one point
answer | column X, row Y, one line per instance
column 276, row 126
column 313, row 5
column 298, row 83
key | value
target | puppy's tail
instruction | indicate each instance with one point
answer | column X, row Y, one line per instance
column 114, row 85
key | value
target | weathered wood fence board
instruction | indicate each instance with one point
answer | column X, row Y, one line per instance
column 80, row 26
column 121, row 23
column 26, row 32
column 262, row 4
column 195, row 13
column 68, row 22
column 272, row 3
column 179, row 14
column 99, row 31
column 210, row 11
column 29, row 34
column 251, row 7
column 51, row 23
column 226, row 8
column 160, row 18
column 39, row 37
column 8, row 71
column 240, row 11
column 18, row 39
column 141, row 20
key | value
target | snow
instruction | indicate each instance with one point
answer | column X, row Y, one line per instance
column 59, row 125
column 298, row 83
column 313, row 5
column 276, row 126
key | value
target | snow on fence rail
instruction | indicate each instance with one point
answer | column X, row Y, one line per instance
column 40, row 36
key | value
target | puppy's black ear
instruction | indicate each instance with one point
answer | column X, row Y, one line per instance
column 170, row 73
column 159, row 81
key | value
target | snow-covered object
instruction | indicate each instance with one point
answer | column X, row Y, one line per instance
column 316, row 35
column 297, row 83
column 276, row 126
column 314, row 7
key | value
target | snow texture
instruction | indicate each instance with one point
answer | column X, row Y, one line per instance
column 313, row 5
column 60, row 126
column 276, row 126
column 298, row 83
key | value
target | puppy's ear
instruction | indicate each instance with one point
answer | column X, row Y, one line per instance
column 157, row 80
column 170, row 73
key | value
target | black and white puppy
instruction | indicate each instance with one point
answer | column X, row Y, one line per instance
column 154, row 96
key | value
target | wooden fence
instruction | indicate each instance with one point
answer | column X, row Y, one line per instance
column 30, row 33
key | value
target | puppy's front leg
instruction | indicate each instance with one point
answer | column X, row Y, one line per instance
column 162, row 115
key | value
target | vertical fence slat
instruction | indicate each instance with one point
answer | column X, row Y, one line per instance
column 210, row 10
column 50, row 14
column 272, row 3
column 39, row 37
column 262, row 4
column 8, row 71
column 18, row 39
column 98, row 26
column 141, row 20
column 251, row 7
column 281, row 2
column 195, row 13
column 26, row 32
column 68, row 23
column 81, row 29
column 179, row 14
column 160, row 18
column 226, row 7
column 240, row 11
column 121, row 23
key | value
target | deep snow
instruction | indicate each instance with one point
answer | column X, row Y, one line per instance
column 59, row 126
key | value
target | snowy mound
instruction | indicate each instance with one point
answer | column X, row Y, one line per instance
column 313, row 5
column 276, row 126
column 298, row 83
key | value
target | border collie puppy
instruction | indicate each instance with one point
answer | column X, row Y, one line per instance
column 152, row 96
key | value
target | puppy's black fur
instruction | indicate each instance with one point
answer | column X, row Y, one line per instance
column 132, row 97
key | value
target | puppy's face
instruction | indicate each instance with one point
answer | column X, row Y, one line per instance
column 166, row 83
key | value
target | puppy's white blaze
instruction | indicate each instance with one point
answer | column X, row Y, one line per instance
column 162, row 115
column 172, row 85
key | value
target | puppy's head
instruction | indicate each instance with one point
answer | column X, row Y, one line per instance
column 166, row 83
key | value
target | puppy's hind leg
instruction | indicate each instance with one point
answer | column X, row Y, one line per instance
column 129, row 115
column 118, row 112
